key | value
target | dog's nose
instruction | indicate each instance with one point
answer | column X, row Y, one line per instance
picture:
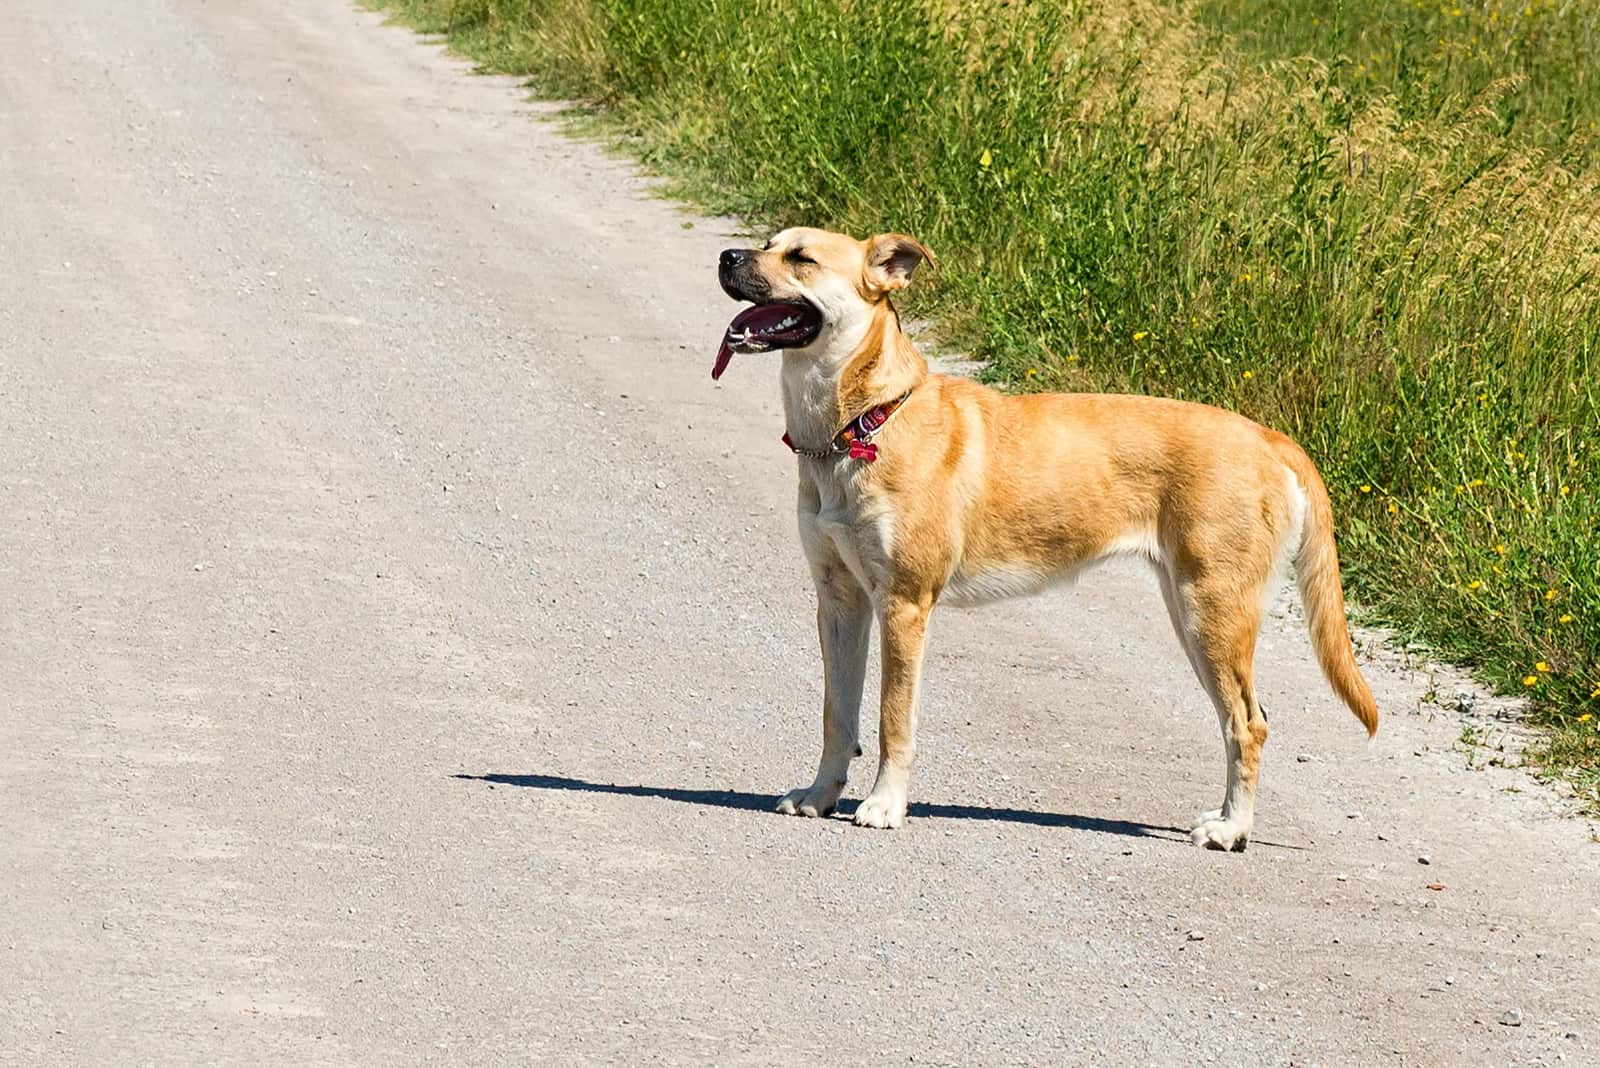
column 733, row 257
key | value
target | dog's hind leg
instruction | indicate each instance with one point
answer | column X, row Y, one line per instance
column 844, row 623
column 1218, row 622
column 904, row 621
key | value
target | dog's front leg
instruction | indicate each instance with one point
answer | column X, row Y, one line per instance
column 904, row 621
column 844, row 622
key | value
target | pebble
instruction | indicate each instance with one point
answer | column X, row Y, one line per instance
column 1196, row 936
column 1511, row 1018
column 1424, row 860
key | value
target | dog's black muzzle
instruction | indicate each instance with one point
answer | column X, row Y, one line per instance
column 733, row 272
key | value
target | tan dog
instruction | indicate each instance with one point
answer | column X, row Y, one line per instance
column 919, row 488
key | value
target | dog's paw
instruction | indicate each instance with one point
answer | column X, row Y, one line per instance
column 886, row 811
column 814, row 800
column 1213, row 832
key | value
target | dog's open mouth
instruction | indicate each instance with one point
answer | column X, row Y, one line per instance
column 766, row 327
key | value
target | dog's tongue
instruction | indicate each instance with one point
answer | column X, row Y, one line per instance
column 751, row 321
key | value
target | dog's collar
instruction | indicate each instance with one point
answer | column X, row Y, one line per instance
column 856, row 437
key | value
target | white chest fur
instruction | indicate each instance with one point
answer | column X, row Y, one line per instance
column 840, row 524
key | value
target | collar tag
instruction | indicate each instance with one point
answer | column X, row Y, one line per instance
column 855, row 440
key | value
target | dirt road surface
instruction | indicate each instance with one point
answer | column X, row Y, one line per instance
column 403, row 643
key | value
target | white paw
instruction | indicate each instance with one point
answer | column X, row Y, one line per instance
column 885, row 810
column 1217, row 833
column 814, row 800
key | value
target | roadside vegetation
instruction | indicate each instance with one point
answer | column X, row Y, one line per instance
column 1372, row 225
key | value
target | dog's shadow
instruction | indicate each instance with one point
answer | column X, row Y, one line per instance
column 746, row 802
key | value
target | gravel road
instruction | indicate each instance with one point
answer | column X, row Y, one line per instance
column 403, row 643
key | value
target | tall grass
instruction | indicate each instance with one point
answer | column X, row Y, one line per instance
column 1431, row 58
column 1132, row 197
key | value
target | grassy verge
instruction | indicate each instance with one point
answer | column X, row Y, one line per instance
column 1386, row 247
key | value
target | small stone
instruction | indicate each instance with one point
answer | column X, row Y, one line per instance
column 1424, row 859
column 1196, row 936
column 660, row 484
column 1511, row 1018
column 1449, row 980
column 1303, row 758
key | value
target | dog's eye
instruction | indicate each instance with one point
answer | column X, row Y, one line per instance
column 796, row 256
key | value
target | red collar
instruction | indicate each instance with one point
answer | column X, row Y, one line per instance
column 856, row 437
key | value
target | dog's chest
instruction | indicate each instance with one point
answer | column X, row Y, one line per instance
column 842, row 524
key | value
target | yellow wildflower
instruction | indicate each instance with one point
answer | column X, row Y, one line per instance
column 1365, row 488
column 1394, row 509
column 1501, row 548
column 1140, row 335
column 986, row 159
column 1542, row 667
column 1530, row 680
column 1551, row 595
column 1249, row 374
column 1566, row 617
column 1033, row 372
column 1475, row 584
column 1586, row 717
column 1566, row 491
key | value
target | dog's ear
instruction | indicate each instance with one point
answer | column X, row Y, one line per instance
column 891, row 258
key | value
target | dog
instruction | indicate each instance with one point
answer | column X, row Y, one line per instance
column 918, row 489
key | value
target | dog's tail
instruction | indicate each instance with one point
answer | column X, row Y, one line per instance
column 1316, row 563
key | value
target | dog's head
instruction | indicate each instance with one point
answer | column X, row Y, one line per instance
column 811, row 287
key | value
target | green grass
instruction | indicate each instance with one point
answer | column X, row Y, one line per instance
column 1386, row 248
column 1431, row 59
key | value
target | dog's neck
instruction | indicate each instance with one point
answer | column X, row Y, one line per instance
column 824, row 387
